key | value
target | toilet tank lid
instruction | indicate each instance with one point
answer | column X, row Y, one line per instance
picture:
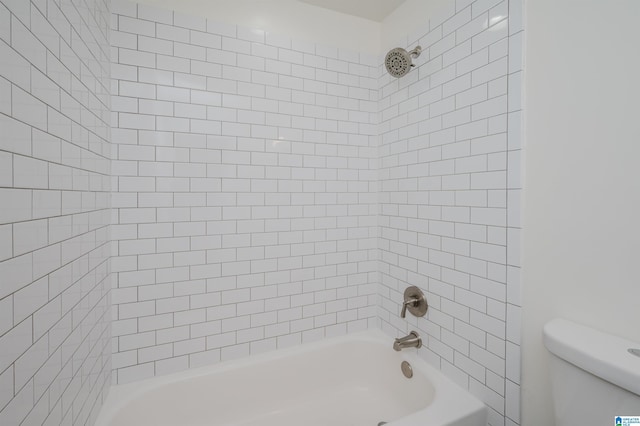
column 601, row 354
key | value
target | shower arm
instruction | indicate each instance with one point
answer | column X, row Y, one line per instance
column 415, row 52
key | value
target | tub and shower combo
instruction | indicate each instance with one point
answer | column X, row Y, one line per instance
column 353, row 380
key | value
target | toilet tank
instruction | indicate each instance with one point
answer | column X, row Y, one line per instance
column 594, row 376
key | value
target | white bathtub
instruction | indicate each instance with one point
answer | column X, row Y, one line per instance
column 352, row 380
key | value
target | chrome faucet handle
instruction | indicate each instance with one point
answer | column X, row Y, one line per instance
column 415, row 302
column 410, row 302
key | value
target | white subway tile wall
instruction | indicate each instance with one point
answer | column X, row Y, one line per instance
column 55, row 182
column 244, row 191
column 449, row 195
column 262, row 191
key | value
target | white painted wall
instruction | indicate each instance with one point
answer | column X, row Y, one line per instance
column 288, row 17
column 315, row 24
column 410, row 18
column 582, row 201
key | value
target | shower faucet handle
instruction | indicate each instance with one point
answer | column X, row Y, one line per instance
column 406, row 303
column 415, row 302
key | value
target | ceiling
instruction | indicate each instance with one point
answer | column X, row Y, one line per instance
column 374, row 10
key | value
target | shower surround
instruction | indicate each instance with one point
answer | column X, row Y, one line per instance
column 269, row 192
column 55, row 188
column 244, row 178
column 449, row 196
column 265, row 192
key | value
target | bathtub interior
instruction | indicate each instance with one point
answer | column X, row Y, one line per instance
column 351, row 383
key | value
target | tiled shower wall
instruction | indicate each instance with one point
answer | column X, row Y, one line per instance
column 244, row 191
column 449, row 192
column 246, row 183
column 54, row 186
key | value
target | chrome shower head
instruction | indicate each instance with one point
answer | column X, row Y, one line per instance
column 399, row 62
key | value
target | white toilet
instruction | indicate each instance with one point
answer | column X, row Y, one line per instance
column 594, row 376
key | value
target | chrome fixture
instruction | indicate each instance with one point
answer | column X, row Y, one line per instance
column 413, row 340
column 415, row 302
column 407, row 370
column 399, row 62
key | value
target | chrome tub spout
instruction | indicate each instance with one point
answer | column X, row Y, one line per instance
column 413, row 340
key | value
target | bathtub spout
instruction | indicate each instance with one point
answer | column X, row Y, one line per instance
column 413, row 340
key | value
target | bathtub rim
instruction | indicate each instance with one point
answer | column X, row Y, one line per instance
column 464, row 403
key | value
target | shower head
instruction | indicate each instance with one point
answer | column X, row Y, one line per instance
column 399, row 62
